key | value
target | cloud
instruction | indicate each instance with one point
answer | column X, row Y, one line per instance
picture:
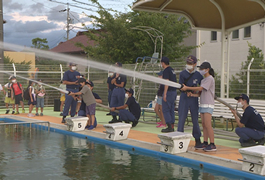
column 38, row 7
column 10, row 6
column 34, row 26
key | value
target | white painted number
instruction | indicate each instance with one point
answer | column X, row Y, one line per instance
column 79, row 125
column 166, row 149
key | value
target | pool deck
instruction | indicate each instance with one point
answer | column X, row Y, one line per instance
column 224, row 156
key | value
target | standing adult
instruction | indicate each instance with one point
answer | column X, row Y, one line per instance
column 190, row 77
column 118, row 93
column 251, row 126
column 110, row 87
column 206, row 107
column 169, row 95
column 70, row 78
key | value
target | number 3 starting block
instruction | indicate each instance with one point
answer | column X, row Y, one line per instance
column 253, row 159
column 117, row 131
column 76, row 123
column 174, row 142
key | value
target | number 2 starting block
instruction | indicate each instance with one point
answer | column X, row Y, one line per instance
column 117, row 131
column 253, row 159
column 174, row 142
column 76, row 123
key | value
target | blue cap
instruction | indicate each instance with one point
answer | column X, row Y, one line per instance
column 165, row 60
column 160, row 73
column 130, row 91
column 72, row 64
column 90, row 83
column 242, row 96
column 191, row 59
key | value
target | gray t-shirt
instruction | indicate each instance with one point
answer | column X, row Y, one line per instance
column 208, row 91
column 87, row 96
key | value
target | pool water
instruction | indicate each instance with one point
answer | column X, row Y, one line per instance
column 30, row 153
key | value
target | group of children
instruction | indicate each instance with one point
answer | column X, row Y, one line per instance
column 14, row 95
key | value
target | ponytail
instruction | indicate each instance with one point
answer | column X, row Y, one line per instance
column 211, row 72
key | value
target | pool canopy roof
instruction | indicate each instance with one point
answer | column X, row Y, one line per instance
column 210, row 14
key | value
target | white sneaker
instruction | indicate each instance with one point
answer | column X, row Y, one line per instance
column 31, row 115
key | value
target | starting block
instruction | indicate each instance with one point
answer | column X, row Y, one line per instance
column 253, row 159
column 117, row 131
column 174, row 142
column 76, row 123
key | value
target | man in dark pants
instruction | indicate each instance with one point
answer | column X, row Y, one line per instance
column 118, row 93
column 190, row 77
column 169, row 96
column 134, row 112
column 110, row 87
column 253, row 132
column 70, row 78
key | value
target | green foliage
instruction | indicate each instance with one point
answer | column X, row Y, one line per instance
column 116, row 40
column 39, row 43
column 23, row 66
column 238, row 82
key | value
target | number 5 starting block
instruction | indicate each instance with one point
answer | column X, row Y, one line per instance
column 117, row 131
column 174, row 142
column 76, row 123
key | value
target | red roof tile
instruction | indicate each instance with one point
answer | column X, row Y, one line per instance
column 70, row 47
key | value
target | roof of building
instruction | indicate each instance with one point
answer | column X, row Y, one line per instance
column 70, row 47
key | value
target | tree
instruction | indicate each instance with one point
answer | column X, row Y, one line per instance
column 238, row 82
column 115, row 40
column 39, row 43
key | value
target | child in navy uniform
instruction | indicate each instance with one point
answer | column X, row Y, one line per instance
column 134, row 112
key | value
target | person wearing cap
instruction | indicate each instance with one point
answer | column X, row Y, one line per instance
column 190, row 77
column 17, row 93
column 169, row 96
column 8, row 99
column 158, row 106
column 133, row 115
column 40, row 91
column 251, row 125
column 206, row 107
column 110, row 87
column 89, row 100
column 118, row 93
column 70, row 78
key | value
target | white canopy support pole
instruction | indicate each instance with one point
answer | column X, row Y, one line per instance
column 14, row 67
column 228, row 64
column 248, row 75
column 61, row 68
column 222, row 95
column 88, row 70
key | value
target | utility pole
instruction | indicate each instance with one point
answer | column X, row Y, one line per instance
column 1, row 33
column 68, row 19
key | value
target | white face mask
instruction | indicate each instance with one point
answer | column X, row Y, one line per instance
column 189, row 67
column 73, row 68
column 202, row 72
column 239, row 105
column 110, row 74
column 126, row 95
column 13, row 81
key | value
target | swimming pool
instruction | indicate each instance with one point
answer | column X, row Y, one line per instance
column 33, row 153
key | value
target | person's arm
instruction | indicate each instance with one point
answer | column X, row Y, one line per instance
column 119, row 108
column 22, row 91
column 76, row 93
column 70, row 83
column 12, row 94
column 119, row 85
column 185, row 88
column 165, row 92
column 98, row 101
column 237, row 118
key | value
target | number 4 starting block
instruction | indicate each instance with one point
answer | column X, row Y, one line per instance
column 253, row 159
column 117, row 131
column 174, row 142
column 76, row 123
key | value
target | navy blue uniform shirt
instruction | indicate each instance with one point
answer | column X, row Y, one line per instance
column 169, row 74
column 194, row 81
column 121, row 78
column 71, row 77
column 134, row 107
column 252, row 119
column 111, row 86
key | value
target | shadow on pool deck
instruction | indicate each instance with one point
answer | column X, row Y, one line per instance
column 222, row 151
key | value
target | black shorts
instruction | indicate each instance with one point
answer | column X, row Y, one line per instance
column 18, row 98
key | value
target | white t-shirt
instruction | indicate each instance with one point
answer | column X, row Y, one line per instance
column 7, row 85
column 208, row 91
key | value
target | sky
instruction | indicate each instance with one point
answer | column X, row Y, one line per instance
column 29, row 19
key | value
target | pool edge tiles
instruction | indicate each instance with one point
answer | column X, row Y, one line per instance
column 191, row 159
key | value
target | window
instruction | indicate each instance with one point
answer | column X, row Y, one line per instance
column 213, row 35
column 235, row 34
column 247, row 32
